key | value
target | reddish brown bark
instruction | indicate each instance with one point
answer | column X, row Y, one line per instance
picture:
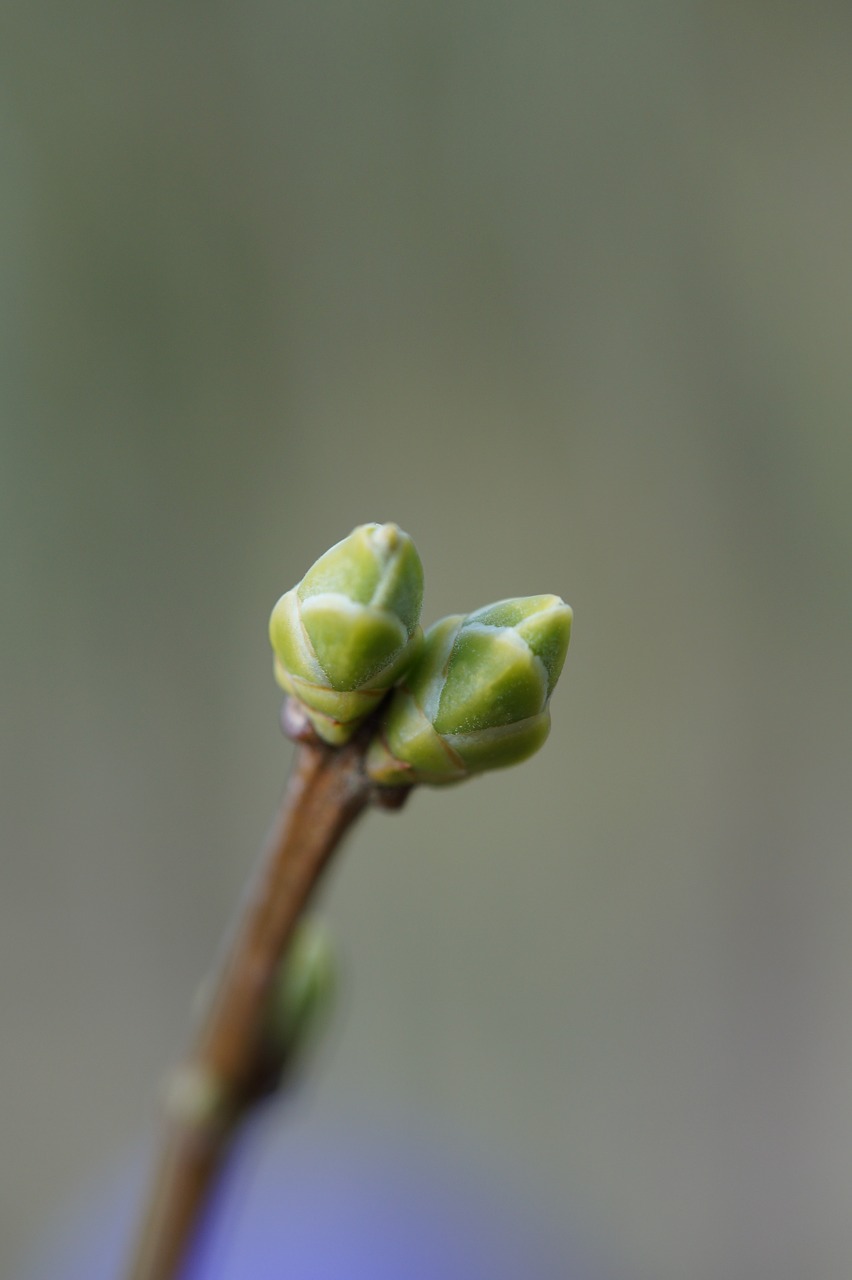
column 227, row 1070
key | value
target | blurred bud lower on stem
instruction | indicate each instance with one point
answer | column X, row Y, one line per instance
column 303, row 991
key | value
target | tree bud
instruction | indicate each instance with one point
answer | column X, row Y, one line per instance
column 477, row 696
column 350, row 629
column 303, row 990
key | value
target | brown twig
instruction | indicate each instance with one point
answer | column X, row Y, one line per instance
column 228, row 1070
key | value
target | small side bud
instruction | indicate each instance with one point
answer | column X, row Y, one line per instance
column 196, row 1099
column 350, row 629
column 478, row 696
column 302, row 993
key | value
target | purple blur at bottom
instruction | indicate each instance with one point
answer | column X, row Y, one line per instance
column 330, row 1207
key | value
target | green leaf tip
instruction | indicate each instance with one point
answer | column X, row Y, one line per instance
column 477, row 697
column 350, row 629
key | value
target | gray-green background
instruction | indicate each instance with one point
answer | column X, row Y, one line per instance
column 566, row 290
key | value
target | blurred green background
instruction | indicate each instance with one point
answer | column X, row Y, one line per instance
column 565, row 290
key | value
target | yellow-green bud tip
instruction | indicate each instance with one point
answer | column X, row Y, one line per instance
column 386, row 538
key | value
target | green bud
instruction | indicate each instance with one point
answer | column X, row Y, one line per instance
column 477, row 697
column 350, row 629
column 302, row 992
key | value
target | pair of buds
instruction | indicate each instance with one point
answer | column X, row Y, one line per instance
column 472, row 694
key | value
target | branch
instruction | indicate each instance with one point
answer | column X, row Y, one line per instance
column 227, row 1072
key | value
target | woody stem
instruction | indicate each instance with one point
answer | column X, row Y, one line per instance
column 220, row 1081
